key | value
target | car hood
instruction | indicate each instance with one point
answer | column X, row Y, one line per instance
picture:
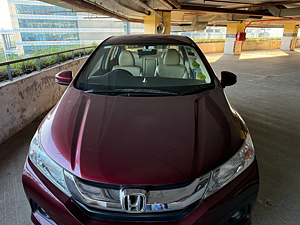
column 141, row 140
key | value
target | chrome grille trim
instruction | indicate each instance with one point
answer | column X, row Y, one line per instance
column 157, row 200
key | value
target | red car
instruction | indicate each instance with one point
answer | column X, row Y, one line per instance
column 143, row 134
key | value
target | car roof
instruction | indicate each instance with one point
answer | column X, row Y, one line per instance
column 148, row 39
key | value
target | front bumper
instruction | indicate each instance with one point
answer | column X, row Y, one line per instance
column 239, row 195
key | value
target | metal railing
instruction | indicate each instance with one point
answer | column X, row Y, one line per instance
column 8, row 63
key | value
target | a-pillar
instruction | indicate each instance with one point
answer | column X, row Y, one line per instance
column 289, row 38
column 232, row 46
column 152, row 22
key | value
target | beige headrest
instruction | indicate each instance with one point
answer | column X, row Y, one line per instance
column 126, row 58
column 171, row 57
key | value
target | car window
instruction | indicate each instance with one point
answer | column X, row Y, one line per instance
column 98, row 61
column 174, row 68
column 197, row 65
column 114, row 53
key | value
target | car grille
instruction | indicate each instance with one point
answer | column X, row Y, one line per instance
column 137, row 202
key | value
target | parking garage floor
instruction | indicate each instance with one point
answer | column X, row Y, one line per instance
column 268, row 98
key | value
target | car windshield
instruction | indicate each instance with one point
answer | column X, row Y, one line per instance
column 144, row 70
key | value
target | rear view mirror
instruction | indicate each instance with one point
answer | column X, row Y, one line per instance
column 64, row 77
column 228, row 78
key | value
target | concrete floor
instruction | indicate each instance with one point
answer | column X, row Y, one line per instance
column 266, row 95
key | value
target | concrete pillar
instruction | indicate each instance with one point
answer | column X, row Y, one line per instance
column 289, row 38
column 233, row 47
column 151, row 22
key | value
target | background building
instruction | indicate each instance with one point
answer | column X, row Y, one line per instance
column 8, row 43
column 38, row 25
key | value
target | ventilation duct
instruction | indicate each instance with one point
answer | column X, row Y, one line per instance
column 290, row 12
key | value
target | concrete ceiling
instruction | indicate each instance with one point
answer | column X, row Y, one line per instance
column 189, row 15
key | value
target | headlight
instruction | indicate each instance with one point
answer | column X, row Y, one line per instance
column 224, row 174
column 50, row 169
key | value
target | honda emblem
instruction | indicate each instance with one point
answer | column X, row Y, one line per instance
column 133, row 200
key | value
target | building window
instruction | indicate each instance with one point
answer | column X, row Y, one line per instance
column 9, row 42
column 43, row 10
column 39, row 23
column 49, row 36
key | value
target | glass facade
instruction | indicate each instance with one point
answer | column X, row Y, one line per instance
column 66, row 36
column 39, row 23
column 46, row 25
column 43, row 10
column 9, row 42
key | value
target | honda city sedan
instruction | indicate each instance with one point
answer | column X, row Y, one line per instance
column 144, row 133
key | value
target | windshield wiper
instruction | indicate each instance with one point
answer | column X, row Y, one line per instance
column 197, row 89
column 137, row 91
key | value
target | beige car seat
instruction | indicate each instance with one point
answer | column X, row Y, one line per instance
column 126, row 62
column 171, row 66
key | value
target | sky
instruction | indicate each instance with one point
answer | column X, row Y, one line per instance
column 5, row 22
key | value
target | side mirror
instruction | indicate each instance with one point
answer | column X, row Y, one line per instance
column 64, row 77
column 228, row 78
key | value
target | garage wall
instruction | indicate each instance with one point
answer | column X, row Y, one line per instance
column 298, row 44
column 26, row 97
column 261, row 45
column 209, row 48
